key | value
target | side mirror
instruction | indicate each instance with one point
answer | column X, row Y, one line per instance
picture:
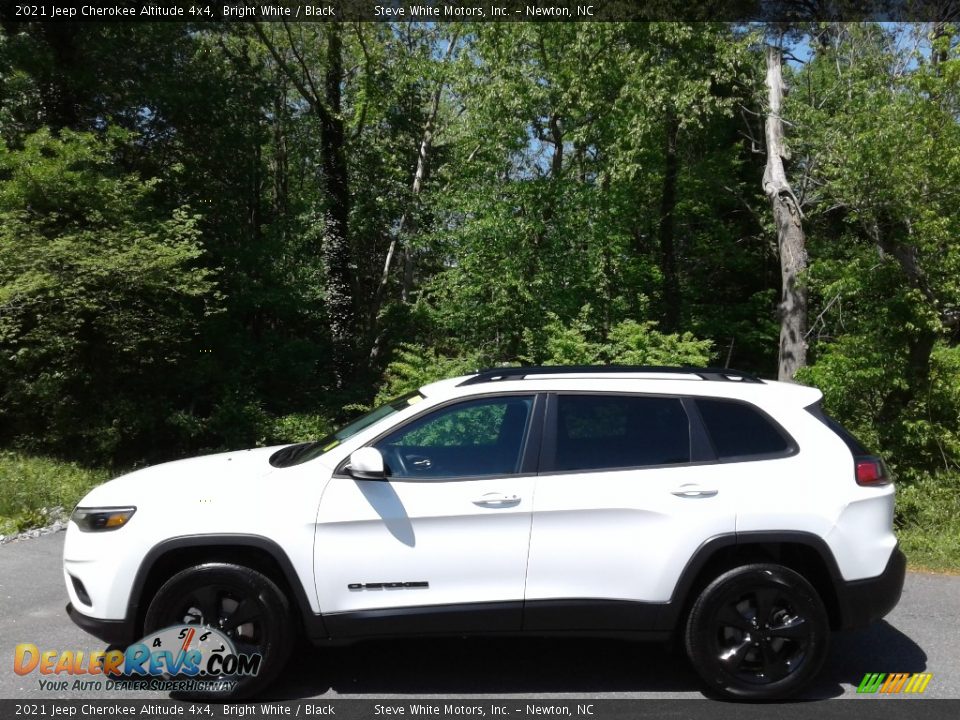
column 366, row 464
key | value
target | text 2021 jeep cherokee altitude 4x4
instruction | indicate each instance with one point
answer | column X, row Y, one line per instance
column 647, row 502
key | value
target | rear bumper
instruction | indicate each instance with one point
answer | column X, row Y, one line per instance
column 112, row 632
column 863, row 601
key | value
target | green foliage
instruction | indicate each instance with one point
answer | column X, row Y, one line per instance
column 297, row 427
column 552, row 199
column 878, row 136
column 627, row 343
column 30, row 487
column 928, row 520
column 164, row 209
column 98, row 296
column 846, row 364
column 557, row 343
column 857, row 372
column 634, row 343
column 414, row 366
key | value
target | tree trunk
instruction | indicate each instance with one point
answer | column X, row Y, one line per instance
column 668, row 249
column 58, row 96
column 556, row 136
column 336, row 242
column 408, row 220
column 920, row 340
column 791, row 241
column 325, row 102
column 407, row 224
column 281, row 188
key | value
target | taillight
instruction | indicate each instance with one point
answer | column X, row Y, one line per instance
column 871, row 471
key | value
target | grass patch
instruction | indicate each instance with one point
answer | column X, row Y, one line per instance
column 928, row 521
column 32, row 486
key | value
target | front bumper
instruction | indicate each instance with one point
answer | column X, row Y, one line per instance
column 112, row 632
column 863, row 601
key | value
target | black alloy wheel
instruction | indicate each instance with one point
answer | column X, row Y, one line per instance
column 757, row 632
column 240, row 602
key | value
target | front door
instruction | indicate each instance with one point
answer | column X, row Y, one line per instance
column 441, row 544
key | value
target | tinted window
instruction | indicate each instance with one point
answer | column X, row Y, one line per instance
column 740, row 430
column 477, row 437
column 614, row 431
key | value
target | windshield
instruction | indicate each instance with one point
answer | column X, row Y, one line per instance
column 303, row 452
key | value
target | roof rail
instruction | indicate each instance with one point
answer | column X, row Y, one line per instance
column 518, row 373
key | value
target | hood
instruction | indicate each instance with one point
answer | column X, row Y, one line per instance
column 208, row 475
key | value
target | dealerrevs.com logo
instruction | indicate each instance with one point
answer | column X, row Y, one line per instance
column 184, row 658
column 893, row 683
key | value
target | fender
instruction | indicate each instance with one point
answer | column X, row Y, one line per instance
column 710, row 547
column 313, row 623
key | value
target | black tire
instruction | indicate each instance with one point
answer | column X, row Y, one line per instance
column 209, row 595
column 757, row 632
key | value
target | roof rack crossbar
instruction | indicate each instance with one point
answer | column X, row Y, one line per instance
column 518, row 373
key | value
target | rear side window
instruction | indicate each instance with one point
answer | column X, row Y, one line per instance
column 739, row 430
column 596, row 432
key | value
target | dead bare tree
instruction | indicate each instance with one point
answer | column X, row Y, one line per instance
column 788, row 218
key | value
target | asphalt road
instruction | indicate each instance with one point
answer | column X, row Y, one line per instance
column 921, row 634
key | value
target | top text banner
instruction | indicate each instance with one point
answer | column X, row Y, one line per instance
column 740, row 11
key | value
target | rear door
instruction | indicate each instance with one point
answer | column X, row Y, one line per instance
column 626, row 494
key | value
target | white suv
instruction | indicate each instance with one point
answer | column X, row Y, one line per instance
column 644, row 502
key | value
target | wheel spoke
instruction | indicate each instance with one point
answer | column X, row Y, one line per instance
column 765, row 604
column 208, row 600
column 733, row 656
column 774, row 666
column 730, row 616
column 247, row 611
column 795, row 629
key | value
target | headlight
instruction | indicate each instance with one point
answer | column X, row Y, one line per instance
column 102, row 518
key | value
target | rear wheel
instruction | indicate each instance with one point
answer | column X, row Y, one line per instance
column 241, row 603
column 757, row 632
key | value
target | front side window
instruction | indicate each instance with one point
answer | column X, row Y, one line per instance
column 596, row 432
column 473, row 438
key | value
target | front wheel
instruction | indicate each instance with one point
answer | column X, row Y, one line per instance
column 757, row 632
column 240, row 602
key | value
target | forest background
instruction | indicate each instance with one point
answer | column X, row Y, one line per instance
column 215, row 236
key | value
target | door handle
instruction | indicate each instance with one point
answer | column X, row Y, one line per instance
column 497, row 500
column 692, row 490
